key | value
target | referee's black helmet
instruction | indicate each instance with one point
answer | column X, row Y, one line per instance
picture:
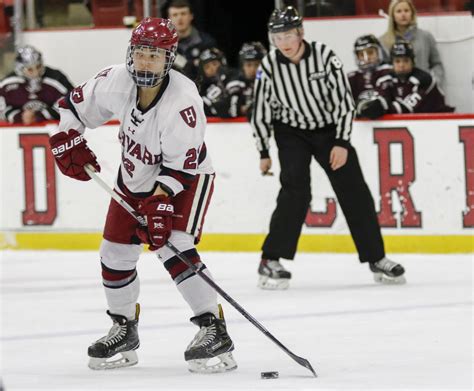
column 284, row 20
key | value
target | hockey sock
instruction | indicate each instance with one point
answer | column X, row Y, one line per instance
column 119, row 276
column 122, row 288
column 197, row 293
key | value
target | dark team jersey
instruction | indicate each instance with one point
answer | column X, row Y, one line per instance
column 189, row 49
column 19, row 94
column 219, row 101
column 419, row 93
column 241, row 92
column 363, row 83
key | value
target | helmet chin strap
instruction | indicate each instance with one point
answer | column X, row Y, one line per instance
column 297, row 53
column 299, row 47
column 300, row 34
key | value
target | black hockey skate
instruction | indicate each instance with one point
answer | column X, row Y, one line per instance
column 388, row 272
column 121, row 341
column 273, row 275
column 211, row 349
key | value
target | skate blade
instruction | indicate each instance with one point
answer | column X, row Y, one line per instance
column 222, row 363
column 383, row 279
column 120, row 360
column 273, row 284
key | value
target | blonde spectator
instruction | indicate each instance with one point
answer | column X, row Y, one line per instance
column 402, row 26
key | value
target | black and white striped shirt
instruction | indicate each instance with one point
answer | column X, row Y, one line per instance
column 311, row 95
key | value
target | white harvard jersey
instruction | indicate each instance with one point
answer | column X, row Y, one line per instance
column 164, row 143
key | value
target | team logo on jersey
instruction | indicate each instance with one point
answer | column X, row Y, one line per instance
column 189, row 116
column 77, row 95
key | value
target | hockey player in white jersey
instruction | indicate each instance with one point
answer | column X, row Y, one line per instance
column 165, row 173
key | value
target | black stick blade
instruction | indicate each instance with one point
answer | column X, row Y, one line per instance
column 305, row 363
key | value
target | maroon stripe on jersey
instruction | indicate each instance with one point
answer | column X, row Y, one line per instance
column 175, row 266
column 200, row 203
column 115, row 275
column 185, row 179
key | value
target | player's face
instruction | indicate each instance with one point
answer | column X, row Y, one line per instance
column 250, row 69
column 181, row 18
column 33, row 71
column 149, row 59
column 211, row 68
column 402, row 65
column 368, row 56
column 288, row 42
column 402, row 14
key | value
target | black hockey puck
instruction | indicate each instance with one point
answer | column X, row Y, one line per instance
column 269, row 375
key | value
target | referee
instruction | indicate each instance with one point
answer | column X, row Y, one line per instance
column 302, row 94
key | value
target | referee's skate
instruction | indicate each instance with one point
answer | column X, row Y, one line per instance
column 388, row 272
column 272, row 275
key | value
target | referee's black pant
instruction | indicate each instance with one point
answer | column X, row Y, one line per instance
column 295, row 150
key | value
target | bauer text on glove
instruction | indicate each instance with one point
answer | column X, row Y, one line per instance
column 72, row 153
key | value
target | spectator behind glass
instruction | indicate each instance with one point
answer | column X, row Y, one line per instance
column 369, row 60
column 213, row 79
column 407, row 89
column 241, row 89
column 402, row 26
column 29, row 94
column 191, row 41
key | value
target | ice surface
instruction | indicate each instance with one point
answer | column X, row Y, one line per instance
column 356, row 334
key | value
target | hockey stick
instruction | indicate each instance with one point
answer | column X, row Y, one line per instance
column 142, row 220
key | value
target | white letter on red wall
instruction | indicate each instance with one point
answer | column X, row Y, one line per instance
column 396, row 182
column 322, row 219
column 31, row 216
